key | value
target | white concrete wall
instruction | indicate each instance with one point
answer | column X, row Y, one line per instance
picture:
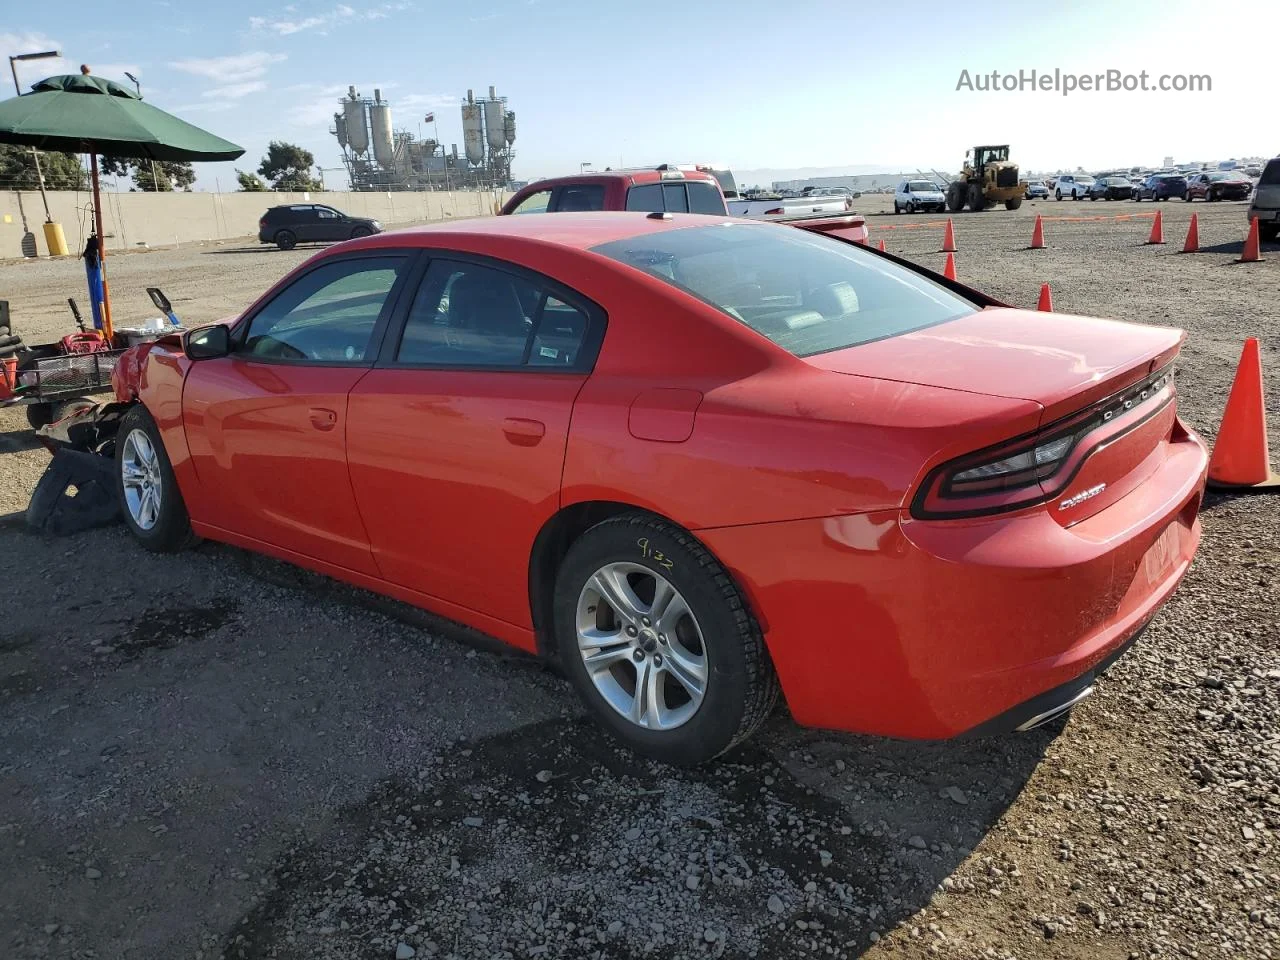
column 166, row 219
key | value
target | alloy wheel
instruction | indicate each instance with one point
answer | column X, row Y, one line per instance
column 641, row 646
column 143, row 485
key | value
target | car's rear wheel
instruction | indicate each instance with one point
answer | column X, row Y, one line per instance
column 659, row 642
column 1057, row 194
column 149, row 497
column 286, row 239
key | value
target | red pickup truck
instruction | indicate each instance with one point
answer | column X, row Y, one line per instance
column 657, row 190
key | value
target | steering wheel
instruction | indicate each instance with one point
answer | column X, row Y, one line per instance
column 267, row 346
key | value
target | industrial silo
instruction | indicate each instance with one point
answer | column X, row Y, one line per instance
column 340, row 128
column 495, row 121
column 472, row 130
column 509, row 127
column 357, row 131
column 384, row 148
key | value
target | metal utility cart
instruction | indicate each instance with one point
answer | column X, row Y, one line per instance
column 53, row 379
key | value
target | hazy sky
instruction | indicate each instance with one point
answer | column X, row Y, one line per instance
column 758, row 86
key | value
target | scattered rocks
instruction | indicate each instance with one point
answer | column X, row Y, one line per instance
column 405, row 952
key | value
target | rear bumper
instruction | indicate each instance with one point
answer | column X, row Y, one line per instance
column 1264, row 214
column 879, row 623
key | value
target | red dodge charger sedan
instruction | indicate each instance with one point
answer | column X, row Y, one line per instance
column 696, row 461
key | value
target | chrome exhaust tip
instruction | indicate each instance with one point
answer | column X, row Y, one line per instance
column 1040, row 719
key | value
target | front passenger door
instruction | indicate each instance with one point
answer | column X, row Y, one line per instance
column 331, row 225
column 267, row 425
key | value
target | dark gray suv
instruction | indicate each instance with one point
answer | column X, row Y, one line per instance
column 1266, row 201
column 297, row 223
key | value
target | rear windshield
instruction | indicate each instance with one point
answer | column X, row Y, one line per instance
column 807, row 293
column 1271, row 174
column 580, row 197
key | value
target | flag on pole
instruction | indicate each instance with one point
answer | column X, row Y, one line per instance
column 429, row 118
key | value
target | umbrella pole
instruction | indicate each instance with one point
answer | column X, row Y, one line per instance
column 102, row 249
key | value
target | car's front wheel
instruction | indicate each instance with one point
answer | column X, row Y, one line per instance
column 659, row 642
column 361, row 231
column 149, row 498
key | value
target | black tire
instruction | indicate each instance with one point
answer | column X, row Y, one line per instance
column 286, row 239
column 1268, row 231
column 1057, row 194
column 1013, row 204
column 64, row 408
column 741, row 688
column 358, row 232
column 39, row 414
column 896, row 209
column 172, row 528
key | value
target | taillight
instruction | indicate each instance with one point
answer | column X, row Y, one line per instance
column 1032, row 469
column 262, row 224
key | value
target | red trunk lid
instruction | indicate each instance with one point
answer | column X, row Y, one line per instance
column 1060, row 361
column 1066, row 364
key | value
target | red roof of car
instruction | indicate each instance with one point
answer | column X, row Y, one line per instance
column 580, row 230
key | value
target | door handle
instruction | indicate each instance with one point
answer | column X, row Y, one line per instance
column 523, row 432
column 323, row 418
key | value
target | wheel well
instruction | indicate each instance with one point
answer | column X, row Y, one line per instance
column 549, row 548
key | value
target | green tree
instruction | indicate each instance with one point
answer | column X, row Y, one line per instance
column 288, row 167
column 169, row 174
column 62, row 171
column 250, row 183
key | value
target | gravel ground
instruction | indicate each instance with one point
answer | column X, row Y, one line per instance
column 214, row 755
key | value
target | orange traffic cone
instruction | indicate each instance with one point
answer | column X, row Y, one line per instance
column 949, row 238
column 1252, row 248
column 1157, row 230
column 949, row 271
column 1046, row 299
column 1193, row 235
column 1240, row 460
column 882, row 250
column 1037, row 235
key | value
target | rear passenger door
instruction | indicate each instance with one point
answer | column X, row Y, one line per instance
column 456, row 439
column 306, row 223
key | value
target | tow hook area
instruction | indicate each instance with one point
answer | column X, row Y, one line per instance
column 78, row 490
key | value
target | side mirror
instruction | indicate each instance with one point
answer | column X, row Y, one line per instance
column 208, row 343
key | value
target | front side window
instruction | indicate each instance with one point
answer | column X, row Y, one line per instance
column 534, row 203
column 327, row 214
column 472, row 315
column 807, row 293
column 328, row 315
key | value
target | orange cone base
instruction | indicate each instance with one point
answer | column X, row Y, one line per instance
column 1270, row 485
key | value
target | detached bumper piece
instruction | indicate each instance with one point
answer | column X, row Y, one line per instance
column 77, row 492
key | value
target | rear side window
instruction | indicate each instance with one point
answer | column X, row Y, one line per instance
column 580, row 197
column 472, row 315
column 1271, row 174
column 809, row 294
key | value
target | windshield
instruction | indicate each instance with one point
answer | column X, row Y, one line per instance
column 923, row 186
column 1117, row 182
column 1085, row 181
column 807, row 293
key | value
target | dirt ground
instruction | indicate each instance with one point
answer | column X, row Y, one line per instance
column 214, row 755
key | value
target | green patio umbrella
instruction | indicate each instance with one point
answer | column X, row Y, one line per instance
column 79, row 113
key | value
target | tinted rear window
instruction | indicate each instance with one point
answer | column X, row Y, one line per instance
column 1271, row 174
column 587, row 196
column 705, row 198
column 807, row 293
column 647, row 198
